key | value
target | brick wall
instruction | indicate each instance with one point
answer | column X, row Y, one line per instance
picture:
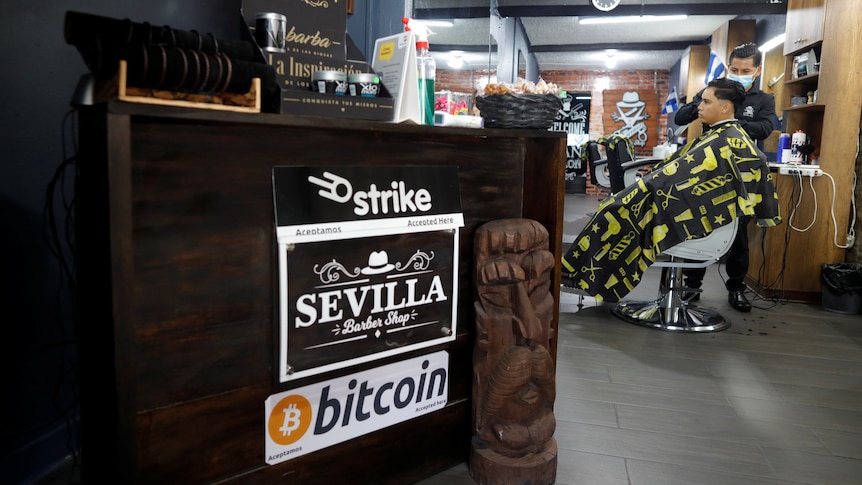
column 593, row 81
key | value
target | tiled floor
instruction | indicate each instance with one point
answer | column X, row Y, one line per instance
column 775, row 399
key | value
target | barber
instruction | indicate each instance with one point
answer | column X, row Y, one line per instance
column 755, row 116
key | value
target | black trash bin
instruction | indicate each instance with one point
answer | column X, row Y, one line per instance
column 842, row 287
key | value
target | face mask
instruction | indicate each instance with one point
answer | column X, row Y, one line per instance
column 746, row 81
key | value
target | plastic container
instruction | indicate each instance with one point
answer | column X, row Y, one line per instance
column 427, row 74
column 329, row 82
column 783, row 144
column 842, row 287
column 453, row 103
column 797, row 140
column 848, row 304
column 364, row 84
column 269, row 30
column 427, row 70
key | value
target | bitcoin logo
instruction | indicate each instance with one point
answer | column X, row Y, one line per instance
column 289, row 420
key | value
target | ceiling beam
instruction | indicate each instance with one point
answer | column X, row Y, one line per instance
column 558, row 8
column 628, row 46
column 693, row 8
column 465, row 48
column 451, row 13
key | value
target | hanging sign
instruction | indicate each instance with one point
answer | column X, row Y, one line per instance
column 368, row 263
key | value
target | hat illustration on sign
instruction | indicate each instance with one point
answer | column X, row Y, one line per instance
column 378, row 262
column 631, row 99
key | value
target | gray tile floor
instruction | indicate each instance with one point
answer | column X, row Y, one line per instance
column 774, row 399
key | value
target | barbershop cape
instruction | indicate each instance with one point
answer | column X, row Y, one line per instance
column 710, row 182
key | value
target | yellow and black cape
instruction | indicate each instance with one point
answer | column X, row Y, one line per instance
column 719, row 176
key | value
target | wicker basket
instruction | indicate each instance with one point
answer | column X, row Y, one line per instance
column 529, row 111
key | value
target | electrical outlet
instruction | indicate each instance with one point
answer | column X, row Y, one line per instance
column 801, row 170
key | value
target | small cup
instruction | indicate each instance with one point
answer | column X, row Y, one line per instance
column 365, row 84
column 329, row 82
column 269, row 30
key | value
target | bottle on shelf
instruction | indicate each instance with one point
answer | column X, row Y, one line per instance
column 427, row 69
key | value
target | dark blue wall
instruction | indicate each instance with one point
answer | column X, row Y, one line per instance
column 40, row 72
column 373, row 19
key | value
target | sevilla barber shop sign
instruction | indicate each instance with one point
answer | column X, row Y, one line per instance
column 368, row 263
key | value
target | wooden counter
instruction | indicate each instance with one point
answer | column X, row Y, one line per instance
column 177, row 270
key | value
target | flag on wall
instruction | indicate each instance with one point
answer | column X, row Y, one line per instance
column 672, row 102
column 714, row 68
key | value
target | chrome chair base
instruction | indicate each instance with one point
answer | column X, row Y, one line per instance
column 671, row 311
column 683, row 318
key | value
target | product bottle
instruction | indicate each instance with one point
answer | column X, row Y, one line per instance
column 783, row 152
column 427, row 70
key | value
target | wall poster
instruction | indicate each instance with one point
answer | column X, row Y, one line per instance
column 368, row 263
column 633, row 114
column 574, row 119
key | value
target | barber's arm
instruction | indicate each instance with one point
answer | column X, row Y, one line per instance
column 761, row 126
column 688, row 112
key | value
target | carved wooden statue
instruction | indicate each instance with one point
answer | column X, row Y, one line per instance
column 513, row 372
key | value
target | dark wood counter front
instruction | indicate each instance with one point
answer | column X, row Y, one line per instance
column 177, row 269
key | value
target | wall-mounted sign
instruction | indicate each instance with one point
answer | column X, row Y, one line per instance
column 368, row 263
column 574, row 119
column 302, row 421
column 632, row 114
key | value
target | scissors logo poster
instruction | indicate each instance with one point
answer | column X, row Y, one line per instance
column 632, row 114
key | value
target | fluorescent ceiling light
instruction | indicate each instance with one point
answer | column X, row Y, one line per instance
column 772, row 43
column 628, row 19
column 437, row 23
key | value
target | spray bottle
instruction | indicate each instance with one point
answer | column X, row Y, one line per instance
column 427, row 69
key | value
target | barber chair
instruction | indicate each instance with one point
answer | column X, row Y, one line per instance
column 614, row 172
column 671, row 310
column 620, row 168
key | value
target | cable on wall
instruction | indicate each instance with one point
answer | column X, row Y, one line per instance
column 851, row 233
column 814, row 212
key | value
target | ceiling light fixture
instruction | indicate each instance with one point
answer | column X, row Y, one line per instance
column 437, row 23
column 628, row 19
column 772, row 43
column 610, row 61
column 456, row 59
